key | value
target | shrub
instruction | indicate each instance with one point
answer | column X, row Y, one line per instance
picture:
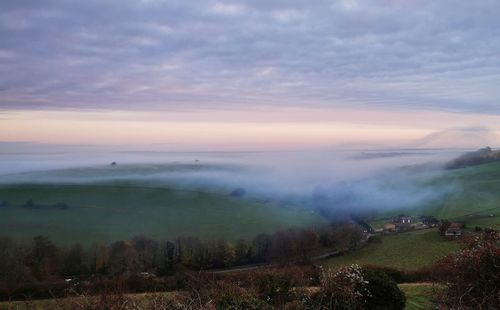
column 402, row 276
column 384, row 293
column 374, row 239
column 274, row 289
column 342, row 289
column 355, row 288
column 472, row 277
column 233, row 302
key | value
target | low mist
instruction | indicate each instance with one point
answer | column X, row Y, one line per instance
column 393, row 178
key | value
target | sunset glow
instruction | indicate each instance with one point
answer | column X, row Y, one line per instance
column 248, row 75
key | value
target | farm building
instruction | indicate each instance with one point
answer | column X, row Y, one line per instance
column 402, row 222
column 454, row 230
column 378, row 230
column 419, row 225
column 390, row 227
column 430, row 221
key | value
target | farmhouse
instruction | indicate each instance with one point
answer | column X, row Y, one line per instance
column 430, row 221
column 402, row 222
column 402, row 219
column 390, row 227
column 454, row 230
column 406, row 223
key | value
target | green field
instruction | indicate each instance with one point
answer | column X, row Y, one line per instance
column 419, row 295
column 476, row 197
column 409, row 251
column 112, row 212
column 153, row 200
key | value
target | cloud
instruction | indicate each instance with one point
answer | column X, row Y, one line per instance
column 154, row 55
column 266, row 71
column 227, row 9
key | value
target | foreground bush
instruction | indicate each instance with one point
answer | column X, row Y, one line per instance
column 290, row 288
column 274, row 289
column 383, row 292
column 341, row 289
column 238, row 302
column 472, row 277
column 403, row 276
column 354, row 288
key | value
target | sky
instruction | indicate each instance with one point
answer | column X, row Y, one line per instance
column 233, row 75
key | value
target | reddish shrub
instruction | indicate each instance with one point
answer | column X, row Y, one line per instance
column 472, row 277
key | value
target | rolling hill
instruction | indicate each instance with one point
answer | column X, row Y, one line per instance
column 103, row 213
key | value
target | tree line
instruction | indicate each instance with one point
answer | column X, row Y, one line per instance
column 42, row 260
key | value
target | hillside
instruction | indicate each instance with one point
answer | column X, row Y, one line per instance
column 471, row 195
column 479, row 157
column 102, row 213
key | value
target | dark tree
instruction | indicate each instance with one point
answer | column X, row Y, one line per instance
column 284, row 245
column 30, row 203
column 242, row 252
column 98, row 258
column 167, row 259
column 347, row 237
column 44, row 258
column 225, row 253
column 307, row 244
column 123, row 258
column 261, row 247
column 13, row 270
column 147, row 250
column 75, row 261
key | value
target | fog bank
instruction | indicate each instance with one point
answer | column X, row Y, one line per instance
column 352, row 178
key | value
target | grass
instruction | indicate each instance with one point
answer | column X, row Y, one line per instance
column 408, row 251
column 419, row 295
column 102, row 213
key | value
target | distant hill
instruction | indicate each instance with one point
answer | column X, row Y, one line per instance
column 479, row 157
column 459, row 138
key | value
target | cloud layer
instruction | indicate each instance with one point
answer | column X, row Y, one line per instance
column 178, row 54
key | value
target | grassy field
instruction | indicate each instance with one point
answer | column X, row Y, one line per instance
column 419, row 295
column 476, row 197
column 407, row 251
column 109, row 213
